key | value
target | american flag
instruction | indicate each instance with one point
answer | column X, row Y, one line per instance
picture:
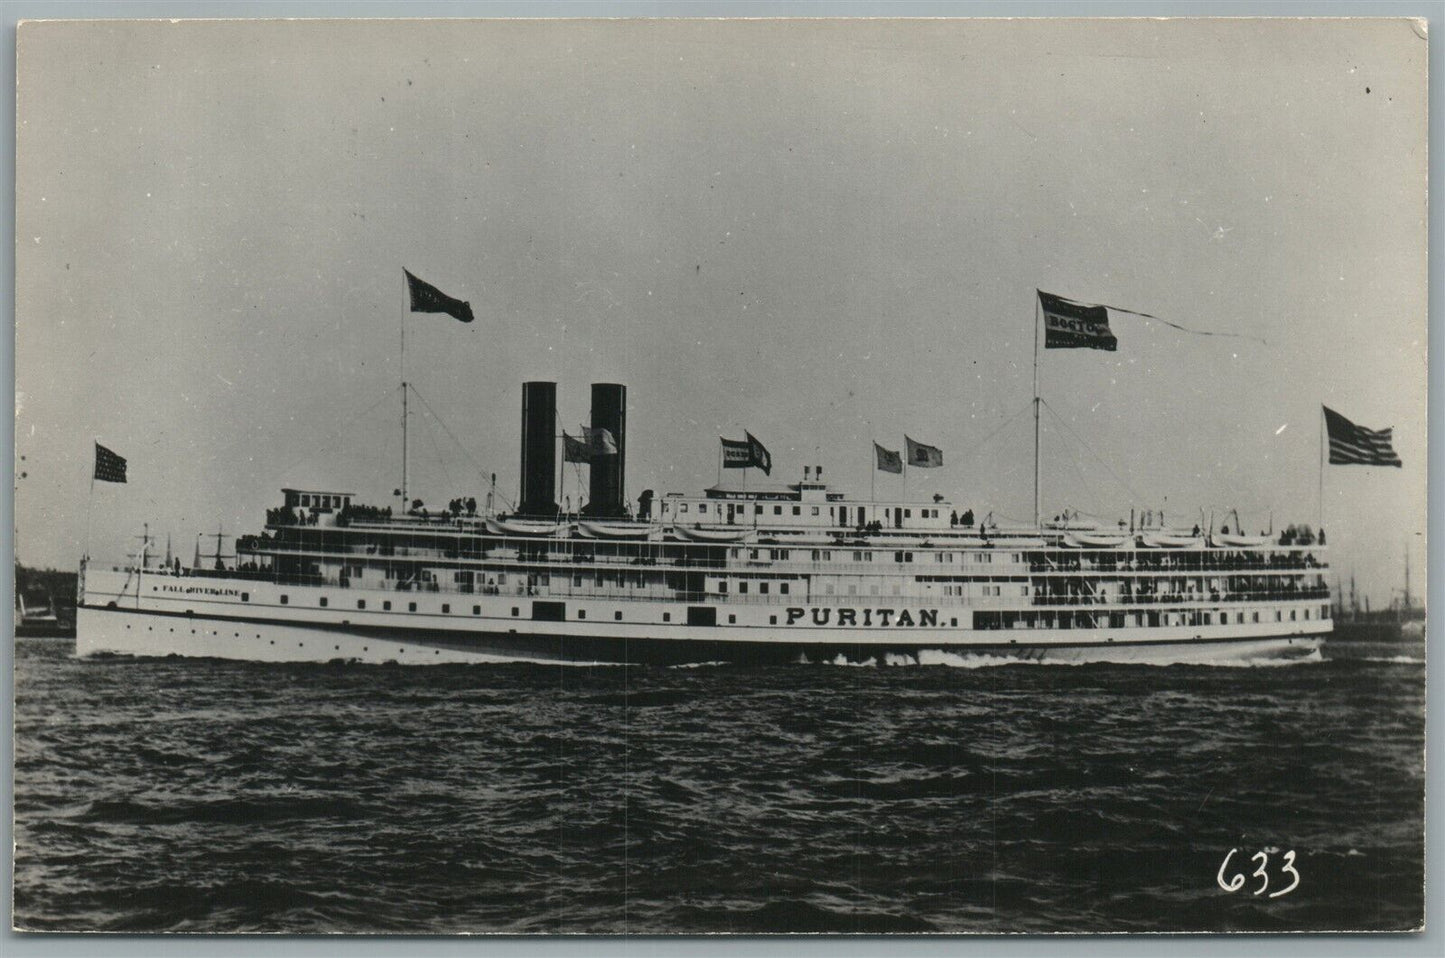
column 108, row 466
column 1355, row 445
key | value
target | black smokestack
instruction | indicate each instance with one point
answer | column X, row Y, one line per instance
column 539, row 449
column 609, row 411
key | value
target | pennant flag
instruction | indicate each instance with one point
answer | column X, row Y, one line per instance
column 760, row 455
column 426, row 298
column 887, row 461
column 108, row 466
column 1352, row 444
column 1071, row 325
column 599, row 441
column 574, row 449
column 924, row 457
column 746, row 454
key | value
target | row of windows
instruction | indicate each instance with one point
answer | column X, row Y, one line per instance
column 702, row 507
column 1151, row 619
column 321, row 502
column 866, row 555
column 516, row 611
column 757, row 510
column 762, row 587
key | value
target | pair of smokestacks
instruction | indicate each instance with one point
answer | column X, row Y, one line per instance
column 539, row 450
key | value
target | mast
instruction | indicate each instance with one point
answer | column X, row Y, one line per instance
column 407, row 301
column 404, row 417
column 1321, row 493
column 1038, row 513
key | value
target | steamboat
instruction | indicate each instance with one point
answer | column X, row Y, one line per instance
column 794, row 572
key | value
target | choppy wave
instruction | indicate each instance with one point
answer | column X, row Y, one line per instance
column 209, row 796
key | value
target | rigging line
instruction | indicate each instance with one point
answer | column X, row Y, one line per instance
column 340, row 431
column 1102, row 460
column 441, row 460
column 999, row 515
column 1083, row 481
column 1183, row 329
column 1006, row 423
column 466, row 452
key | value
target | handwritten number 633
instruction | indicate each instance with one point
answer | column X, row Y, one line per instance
column 1238, row 880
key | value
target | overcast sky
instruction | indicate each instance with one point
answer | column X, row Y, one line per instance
column 820, row 232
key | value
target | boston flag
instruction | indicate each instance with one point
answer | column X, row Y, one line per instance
column 1355, row 445
column 426, row 298
column 1071, row 325
column 746, row 454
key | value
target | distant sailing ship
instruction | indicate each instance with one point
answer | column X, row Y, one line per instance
column 796, row 572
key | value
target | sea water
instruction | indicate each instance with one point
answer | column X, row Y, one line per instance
column 196, row 795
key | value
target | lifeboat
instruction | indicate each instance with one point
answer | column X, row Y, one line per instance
column 1094, row 540
column 522, row 527
column 616, row 530
column 699, row 534
column 1226, row 540
column 1165, row 540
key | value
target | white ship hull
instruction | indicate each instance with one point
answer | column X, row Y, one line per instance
column 223, row 618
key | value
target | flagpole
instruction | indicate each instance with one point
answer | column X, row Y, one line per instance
column 404, row 415
column 1321, row 470
column 873, row 473
column 1038, row 514
column 89, row 506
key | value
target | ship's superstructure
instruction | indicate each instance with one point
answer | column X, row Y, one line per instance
column 782, row 572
